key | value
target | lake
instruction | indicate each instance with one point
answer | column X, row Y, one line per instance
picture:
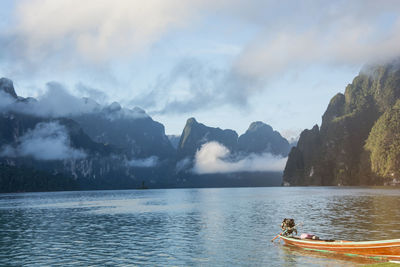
column 189, row 227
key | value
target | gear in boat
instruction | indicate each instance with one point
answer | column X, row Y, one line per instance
column 289, row 227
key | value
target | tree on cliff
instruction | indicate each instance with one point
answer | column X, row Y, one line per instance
column 384, row 144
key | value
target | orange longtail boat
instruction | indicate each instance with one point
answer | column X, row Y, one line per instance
column 384, row 249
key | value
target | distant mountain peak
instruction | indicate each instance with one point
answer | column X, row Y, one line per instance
column 260, row 138
column 116, row 111
column 196, row 134
column 113, row 107
column 257, row 125
column 7, row 86
column 191, row 121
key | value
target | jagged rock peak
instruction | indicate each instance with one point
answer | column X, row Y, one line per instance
column 196, row 134
column 7, row 86
column 257, row 125
column 261, row 138
column 191, row 121
column 315, row 128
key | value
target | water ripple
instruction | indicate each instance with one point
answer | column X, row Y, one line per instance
column 196, row 227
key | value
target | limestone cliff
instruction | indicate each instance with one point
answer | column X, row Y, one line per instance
column 336, row 153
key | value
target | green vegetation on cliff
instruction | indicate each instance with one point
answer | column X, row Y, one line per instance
column 384, row 144
column 336, row 153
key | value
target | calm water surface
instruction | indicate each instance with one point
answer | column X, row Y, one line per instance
column 182, row 227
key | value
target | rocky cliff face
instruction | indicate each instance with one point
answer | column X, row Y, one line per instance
column 57, row 146
column 336, row 154
column 259, row 138
column 195, row 134
column 6, row 86
column 109, row 148
column 132, row 131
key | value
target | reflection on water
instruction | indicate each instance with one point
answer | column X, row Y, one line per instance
column 324, row 258
column 205, row 227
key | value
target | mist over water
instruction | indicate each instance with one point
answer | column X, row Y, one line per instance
column 182, row 227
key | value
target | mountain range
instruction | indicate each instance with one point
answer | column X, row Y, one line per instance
column 78, row 144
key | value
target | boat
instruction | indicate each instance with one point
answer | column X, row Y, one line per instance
column 321, row 257
column 388, row 250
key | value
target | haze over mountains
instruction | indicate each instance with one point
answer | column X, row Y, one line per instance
column 60, row 142
column 110, row 147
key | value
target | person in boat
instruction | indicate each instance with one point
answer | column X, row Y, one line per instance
column 288, row 227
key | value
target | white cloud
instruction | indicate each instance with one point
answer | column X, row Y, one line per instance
column 97, row 30
column 216, row 158
column 335, row 33
column 344, row 45
column 286, row 31
column 183, row 164
column 143, row 163
column 6, row 101
column 47, row 141
column 59, row 35
column 92, row 93
column 57, row 101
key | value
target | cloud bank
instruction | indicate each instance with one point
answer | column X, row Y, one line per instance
column 143, row 163
column 183, row 164
column 94, row 31
column 285, row 36
column 6, row 101
column 292, row 36
column 57, row 102
column 47, row 141
column 98, row 30
column 193, row 85
column 216, row 158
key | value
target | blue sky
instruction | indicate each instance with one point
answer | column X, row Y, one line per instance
column 227, row 63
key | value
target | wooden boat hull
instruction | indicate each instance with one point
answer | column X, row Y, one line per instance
column 385, row 249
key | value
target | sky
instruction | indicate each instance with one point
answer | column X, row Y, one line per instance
column 226, row 63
